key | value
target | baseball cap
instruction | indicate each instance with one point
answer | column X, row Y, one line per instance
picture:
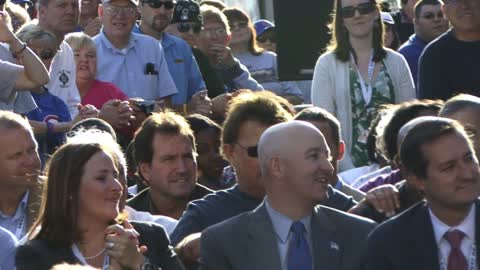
column 263, row 25
column 131, row 1
column 387, row 18
column 187, row 11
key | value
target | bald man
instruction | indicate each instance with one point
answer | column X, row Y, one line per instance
column 289, row 230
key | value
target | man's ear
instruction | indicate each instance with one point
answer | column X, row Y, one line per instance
column 417, row 182
column 145, row 172
column 277, row 167
column 227, row 150
column 341, row 150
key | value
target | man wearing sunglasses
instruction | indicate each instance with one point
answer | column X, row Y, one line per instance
column 448, row 64
column 429, row 24
column 192, row 93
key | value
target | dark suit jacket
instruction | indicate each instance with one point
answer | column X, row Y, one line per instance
column 39, row 254
column 407, row 241
column 249, row 241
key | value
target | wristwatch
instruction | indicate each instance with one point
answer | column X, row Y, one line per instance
column 147, row 265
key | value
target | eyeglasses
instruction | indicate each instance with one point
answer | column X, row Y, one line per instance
column 431, row 15
column 239, row 25
column 252, row 151
column 263, row 38
column 116, row 10
column 215, row 32
column 363, row 9
column 158, row 4
column 185, row 27
column 47, row 54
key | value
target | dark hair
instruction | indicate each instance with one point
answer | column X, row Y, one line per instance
column 58, row 219
column 402, row 115
column 319, row 114
column 200, row 122
column 252, row 106
column 340, row 43
column 458, row 103
column 421, row 3
column 396, row 38
column 236, row 14
column 169, row 123
column 425, row 131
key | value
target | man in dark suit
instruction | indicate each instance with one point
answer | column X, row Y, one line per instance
column 289, row 230
column 440, row 233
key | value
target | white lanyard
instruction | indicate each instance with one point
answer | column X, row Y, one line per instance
column 79, row 255
column 472, row 264
column 366, row 86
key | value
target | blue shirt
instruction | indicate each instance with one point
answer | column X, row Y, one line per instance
column 411, row 50
column 281, row 226
column 139, row 69
column 50, row 109
column 8, row 244
column 182, row 66
column 16, row 224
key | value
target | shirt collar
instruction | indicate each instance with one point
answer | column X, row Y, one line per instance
column 418, row 41
column 467, row 226
column 339, row 184
column 109, row 45
column 281, row 223
column 21, row 208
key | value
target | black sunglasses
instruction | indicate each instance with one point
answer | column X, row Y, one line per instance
column 263, row 38
column 363, row 9
column 46, row 54
column 158, row 4
column 185, row 27
column 252, row 151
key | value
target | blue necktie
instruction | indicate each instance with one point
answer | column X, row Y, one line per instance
column 299, row 257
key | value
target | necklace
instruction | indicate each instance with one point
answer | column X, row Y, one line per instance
column 95, row 256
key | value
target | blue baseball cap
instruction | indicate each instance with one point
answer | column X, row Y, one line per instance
column 263, row 25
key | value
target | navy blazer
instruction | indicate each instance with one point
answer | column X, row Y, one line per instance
column 407, row 241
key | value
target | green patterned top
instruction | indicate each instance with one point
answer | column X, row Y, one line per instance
column 362, row 115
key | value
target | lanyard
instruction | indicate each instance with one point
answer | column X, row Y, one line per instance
column 366, row 86
column 472, row 264
column 79, row 255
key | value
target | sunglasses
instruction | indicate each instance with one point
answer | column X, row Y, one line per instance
column 263, row 38
column 240, row 25
column 157, row 4
column 363, row 9
column 252, row 151
column 185, row 27
column 46, row 54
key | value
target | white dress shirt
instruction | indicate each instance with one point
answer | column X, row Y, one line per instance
column 467, row 226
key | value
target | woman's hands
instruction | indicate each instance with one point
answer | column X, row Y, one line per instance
column 122, row 246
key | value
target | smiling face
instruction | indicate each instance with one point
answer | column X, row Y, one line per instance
column 86, row 63
column 241, row 32
column 464, row 15
column 360, row 25
column 452, row 174
column 118, row 18
column 99, row 186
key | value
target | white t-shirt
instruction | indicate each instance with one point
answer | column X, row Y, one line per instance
column 63, row 78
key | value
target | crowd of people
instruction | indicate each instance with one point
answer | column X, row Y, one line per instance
column 156, row 134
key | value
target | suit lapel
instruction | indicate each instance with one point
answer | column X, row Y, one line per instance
column 477, row 231
column 423, row 244
column 262, row 248
column 327, row 249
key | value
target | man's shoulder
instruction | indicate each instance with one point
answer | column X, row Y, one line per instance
column 342, row 219
column 442, row 45
column 231, row 226
column 142, row 39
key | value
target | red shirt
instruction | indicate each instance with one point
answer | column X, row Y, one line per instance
column 101, row 92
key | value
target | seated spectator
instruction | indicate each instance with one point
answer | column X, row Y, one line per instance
column 7, row 249
column 261, row 64
column 266, row 37
column 109, row 99
column 75, row 225
column 213, row 41
column 15, row 77
column 210, row 162
column 429, row 23
column 165, row 154
column 391, row 38
column 330, row 128
column 51, row 119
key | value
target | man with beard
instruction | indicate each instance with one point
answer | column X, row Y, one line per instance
column 156, row 16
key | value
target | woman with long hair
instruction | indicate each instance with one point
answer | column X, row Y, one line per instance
column 261, row 64
column 80, row 220
column 357, row 74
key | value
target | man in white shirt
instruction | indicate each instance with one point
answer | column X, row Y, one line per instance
column 440, row 160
